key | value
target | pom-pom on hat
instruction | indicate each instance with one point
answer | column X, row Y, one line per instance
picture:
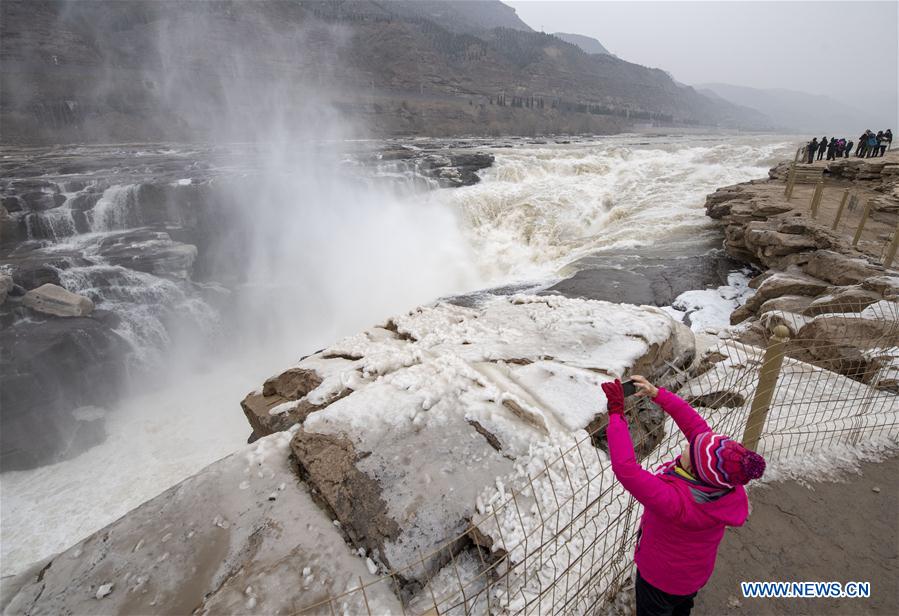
column 723, row 462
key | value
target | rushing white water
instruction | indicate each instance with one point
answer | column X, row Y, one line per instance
column 541, row 207
column 342, row 261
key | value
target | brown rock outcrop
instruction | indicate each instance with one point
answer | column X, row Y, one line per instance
column 786, row 303
column 839, row 343
column 281, row 404
column 776, row 286
column 840, row 269
column 843, row 299
column 56, row 301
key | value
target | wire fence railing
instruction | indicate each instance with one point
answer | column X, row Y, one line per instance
column 557, row 536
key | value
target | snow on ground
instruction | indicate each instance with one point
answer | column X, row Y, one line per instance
column 709, row 310
column 545, row 354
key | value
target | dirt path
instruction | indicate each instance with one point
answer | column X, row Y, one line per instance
column 830, row 532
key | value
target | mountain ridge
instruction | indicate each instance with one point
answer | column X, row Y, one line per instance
column 143, row 70
column 587, row 43
column 794, row 110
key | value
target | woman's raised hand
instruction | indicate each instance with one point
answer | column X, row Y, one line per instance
column 644, row 387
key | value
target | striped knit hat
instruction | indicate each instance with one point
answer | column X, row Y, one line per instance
column 723, row 462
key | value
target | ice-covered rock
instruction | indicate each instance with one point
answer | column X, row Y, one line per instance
column 411, row 422
column 429, row 409
column 150, row 251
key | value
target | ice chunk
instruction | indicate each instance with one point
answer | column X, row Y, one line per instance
column 104, row 590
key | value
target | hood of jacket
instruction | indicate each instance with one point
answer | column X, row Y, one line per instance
column 706, row 506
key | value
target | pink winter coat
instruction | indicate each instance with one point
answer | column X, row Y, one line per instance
column 683, row 522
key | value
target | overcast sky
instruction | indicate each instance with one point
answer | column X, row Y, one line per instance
column 836, row 48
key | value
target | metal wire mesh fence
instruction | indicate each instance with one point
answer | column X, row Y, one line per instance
column 557, row 536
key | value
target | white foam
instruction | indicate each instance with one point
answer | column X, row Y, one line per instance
column 541, row 207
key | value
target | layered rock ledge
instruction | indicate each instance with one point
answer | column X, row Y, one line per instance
column 835, row 296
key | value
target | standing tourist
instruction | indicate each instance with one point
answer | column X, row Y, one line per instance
column 872, row 145
column 688, row 502
column 862, row 143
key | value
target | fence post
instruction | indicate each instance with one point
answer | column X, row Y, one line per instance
column 791, row 181
column 836, row 220
column 816, row 197
column 861, row 224
column 764, row 391
column 891, row 251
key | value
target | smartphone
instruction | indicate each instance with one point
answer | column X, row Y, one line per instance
column 629, row 388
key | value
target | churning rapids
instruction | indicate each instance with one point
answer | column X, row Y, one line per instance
column 215, row 268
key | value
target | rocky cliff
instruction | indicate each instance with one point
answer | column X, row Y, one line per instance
column 834, row 294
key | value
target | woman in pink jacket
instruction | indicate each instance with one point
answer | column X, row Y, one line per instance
column 687, row 503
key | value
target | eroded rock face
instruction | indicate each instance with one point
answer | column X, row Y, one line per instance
column 786, row 303
column 40, row 391
column 56, row 301
column 353, row 496
column 847, row 344
column 843, row 299
column 840, row 269
column 837, row 304
column 280, row 404
column 776, row 286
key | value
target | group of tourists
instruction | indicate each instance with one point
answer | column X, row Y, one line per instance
column 869, row 145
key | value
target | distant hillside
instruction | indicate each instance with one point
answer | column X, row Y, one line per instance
column 586, row 43
column 148, row 70
column 797, row 111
